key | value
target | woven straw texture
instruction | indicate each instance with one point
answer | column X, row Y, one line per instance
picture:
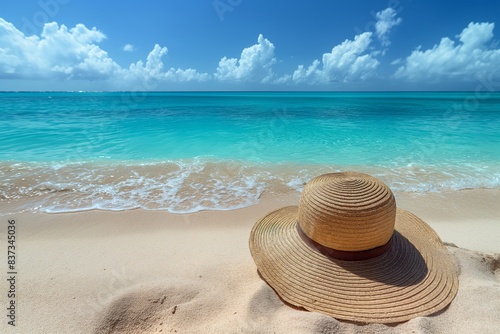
column 415, row 276
column 347, row 211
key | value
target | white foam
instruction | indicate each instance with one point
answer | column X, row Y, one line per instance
column 178, row 191
column 186, row 186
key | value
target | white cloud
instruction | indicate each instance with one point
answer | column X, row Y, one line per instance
column 154, row 65
column 386, row 20
column 466, row 60
column 352, row 60
column 348, row 61
column 74, row 53
column 154, row 69
column 58, row 52
column 254, row 64
column 128, row 48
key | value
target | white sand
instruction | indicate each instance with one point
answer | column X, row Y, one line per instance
column 150, row 272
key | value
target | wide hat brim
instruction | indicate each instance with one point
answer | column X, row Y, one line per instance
column 416, row 276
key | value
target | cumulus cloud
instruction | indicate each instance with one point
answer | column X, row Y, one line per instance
column 352, row 60
column 386, row 20
column 471, row 57
column 255, row 63
column 74, row 53
column 128, row 48
column 348, row 61
column 153, row 69
column 58, row 51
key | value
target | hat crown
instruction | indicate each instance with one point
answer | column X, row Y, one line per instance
column 347, row 211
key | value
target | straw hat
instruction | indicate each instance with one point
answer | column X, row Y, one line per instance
column 348, row 252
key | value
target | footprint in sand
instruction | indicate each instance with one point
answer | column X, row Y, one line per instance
column 158, row 308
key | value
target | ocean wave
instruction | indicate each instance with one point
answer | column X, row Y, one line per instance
column 186, row 186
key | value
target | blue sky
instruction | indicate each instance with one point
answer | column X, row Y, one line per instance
column 249, row 45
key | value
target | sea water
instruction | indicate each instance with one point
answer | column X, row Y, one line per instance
column 192, row 151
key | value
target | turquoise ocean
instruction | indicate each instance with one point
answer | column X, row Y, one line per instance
column 192, row 151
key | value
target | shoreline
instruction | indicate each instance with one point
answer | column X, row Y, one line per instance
column 142, row 271
column 184, row 186
column 455, row 215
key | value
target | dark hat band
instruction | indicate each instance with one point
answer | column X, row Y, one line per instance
column 344, row 255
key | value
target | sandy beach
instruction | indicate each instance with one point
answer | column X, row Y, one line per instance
column 154, row 272
column 151, row 153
